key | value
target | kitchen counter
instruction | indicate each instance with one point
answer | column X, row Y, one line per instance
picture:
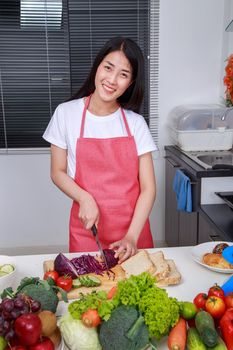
column 195, row 278
column 197, row 170
column 220, row 216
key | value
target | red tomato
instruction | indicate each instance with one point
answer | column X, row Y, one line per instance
column 226, row 327
column 215, row 306
column 28, row 328
column 200, row 300
column 229, row 300
column 44, row 343
column 52, row 274
column 216, row 291
column 91, row 318
column 65, row 282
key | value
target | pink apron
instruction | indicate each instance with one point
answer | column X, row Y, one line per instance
column 108, row 170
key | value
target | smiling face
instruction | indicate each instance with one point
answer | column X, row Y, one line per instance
column 113, row 76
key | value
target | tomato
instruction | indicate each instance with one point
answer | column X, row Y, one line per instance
column 52, row 274
column 112, row 292
column 229, row 300
column 188, row 310
column 215, row 306
column 44, row 343
column 65, row 282
column 91, row 318
column 216, row 291
column 226, row 327
column 28, row 328
column 200, row 300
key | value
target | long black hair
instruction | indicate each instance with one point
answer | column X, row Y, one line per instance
column 132, row 97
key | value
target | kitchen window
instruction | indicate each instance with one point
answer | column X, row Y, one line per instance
column 47, row 48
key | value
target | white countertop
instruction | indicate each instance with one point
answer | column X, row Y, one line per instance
column 195, row 278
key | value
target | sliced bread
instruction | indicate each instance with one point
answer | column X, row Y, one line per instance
column 162, row 266
column 137, row 264
column 174, row 276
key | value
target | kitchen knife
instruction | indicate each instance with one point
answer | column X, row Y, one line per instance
column 95, row 234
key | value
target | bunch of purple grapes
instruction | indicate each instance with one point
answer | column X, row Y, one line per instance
column 11, row 309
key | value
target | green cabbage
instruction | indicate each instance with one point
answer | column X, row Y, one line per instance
column 76, row 335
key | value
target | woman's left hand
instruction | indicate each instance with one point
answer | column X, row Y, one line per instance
column 125, row 248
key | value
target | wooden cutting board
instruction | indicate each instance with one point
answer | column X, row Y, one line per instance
column 106, row 283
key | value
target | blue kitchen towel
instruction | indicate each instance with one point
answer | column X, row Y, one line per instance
column 182, row 188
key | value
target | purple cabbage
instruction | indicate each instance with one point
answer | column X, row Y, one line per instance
column 64, row 266
column 111, row 260
column 84, row 264
column 87, row 264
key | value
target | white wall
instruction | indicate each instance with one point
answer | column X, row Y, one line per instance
column 34, row 213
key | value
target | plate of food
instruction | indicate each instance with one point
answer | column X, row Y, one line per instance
column 209, row 255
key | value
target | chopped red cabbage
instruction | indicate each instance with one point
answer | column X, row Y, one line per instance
column 84, row 264
column 87, row 264
column 111, row 260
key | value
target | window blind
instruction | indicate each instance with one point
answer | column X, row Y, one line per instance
column 98, row 21
column 154, row 69
column 46, row 50
column 35, row 71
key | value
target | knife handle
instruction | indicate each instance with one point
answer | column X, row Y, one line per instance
column 94, row 230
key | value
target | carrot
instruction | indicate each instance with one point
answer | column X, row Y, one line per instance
column 112, row 292
column 177, row 336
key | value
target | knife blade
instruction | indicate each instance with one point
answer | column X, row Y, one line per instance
column 95, row 234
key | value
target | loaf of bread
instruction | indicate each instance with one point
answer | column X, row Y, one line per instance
column 137, row 264
column 165, row 271
column 162, row 266
column 174, row 277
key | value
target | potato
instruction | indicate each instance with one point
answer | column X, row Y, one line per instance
column 49, row 322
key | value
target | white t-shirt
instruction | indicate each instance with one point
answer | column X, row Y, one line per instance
column 64, row 129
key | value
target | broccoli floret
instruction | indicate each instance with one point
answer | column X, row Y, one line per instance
column 125, row 330
column 47, row 298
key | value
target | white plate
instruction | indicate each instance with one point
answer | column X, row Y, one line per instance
column 198, row 251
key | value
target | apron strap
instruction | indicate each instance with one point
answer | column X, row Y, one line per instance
column 125, row 121
column 84, row 117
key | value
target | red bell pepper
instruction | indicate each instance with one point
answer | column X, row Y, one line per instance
column 226, row 326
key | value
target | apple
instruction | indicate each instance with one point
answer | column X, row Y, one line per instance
column 28, row 328
column 43, row 343
column 16, row 347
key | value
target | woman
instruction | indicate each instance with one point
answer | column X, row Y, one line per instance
column 105, row 146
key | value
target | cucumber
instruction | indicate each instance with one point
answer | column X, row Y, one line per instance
column 76, row 283
column 3, row 273
column 90, row 281
column 219, row 346
column 205, row 325
column 194, row 341
column 7, row 268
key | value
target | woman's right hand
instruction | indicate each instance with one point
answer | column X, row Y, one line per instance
column 88, row 211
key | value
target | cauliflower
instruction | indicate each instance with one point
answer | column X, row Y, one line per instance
column 76, row 335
